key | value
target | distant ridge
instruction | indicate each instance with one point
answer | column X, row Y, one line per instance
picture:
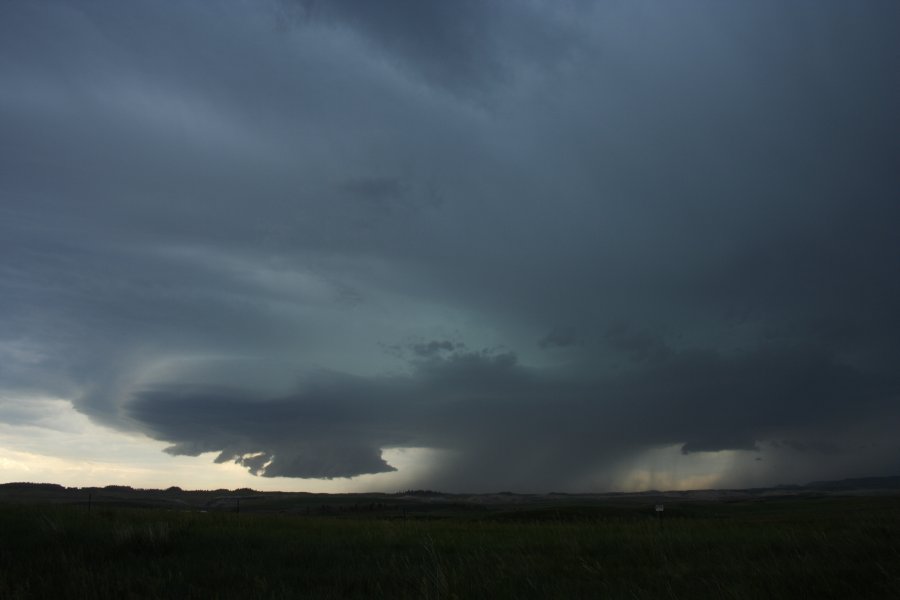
column 840, row 485
column 858, row 483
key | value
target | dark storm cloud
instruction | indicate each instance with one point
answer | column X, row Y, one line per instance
column 378, row 189
column 489, row 408
column 331, row 430
column 434, row 348
column 559, row 338
column 445, row 41
column 214, row 218
column 382, row 195
column 463, row 45
column 638, row 346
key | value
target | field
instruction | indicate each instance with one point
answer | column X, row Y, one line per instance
column 792, row 546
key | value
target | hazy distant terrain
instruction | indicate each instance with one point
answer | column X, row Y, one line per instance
column 418, row 502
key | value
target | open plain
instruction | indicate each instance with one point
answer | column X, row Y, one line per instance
column 829, row 540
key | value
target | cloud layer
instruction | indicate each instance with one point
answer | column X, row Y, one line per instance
column 543, row 238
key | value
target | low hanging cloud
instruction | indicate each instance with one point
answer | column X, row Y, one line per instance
column 493, row 412
column 543, row 238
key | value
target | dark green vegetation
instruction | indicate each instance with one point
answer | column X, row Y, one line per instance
column 804, row 546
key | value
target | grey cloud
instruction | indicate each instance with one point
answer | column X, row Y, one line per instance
column 434, row 348
column 559, row 338
column 200, row 209
column 449, row 40
column 383, row 196
column 494, row 413
column 464, row 45
column 378, row 189
column 323, row 433
column 637, row 345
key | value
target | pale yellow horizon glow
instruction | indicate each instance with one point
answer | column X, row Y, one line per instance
column 61, row 445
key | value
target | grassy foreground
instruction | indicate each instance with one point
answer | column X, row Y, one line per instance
column 792, row 548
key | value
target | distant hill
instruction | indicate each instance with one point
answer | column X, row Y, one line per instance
column 859, row 483
column 407, row 501
column 25, row 486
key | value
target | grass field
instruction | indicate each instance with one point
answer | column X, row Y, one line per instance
column 830, row 547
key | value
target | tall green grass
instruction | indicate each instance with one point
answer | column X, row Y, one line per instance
column 834, row 549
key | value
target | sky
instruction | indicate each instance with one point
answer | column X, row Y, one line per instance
column 471, row 246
